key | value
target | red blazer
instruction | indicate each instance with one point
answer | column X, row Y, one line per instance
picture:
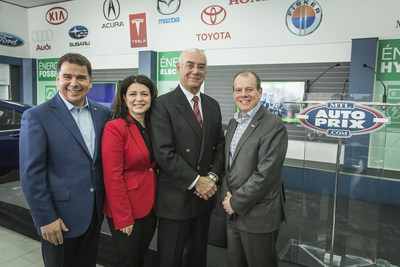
column 129, row 176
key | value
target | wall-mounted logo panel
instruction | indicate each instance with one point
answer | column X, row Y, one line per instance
column 303, row 17
column 56, row 15
column 78, row 32
column 9, row 39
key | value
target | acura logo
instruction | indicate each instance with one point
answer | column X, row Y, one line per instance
column 111, row 9
column 78, row 32
column 42, row 36
column 213, row 15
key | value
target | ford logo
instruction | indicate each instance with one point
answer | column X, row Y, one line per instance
column 9, row 39
column 56, row 15
column 78, row 32
column 342, row 119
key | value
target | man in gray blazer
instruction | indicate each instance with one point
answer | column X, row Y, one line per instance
column 255, row 148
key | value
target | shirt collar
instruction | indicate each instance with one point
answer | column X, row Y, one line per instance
column 239, row 116
column 70, row 106
column 188, row 94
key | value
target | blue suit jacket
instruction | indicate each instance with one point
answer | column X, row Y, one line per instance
column 58, row 176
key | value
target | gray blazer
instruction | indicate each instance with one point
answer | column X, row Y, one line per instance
column 255, row 176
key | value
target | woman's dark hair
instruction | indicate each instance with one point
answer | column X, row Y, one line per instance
column 119, row 107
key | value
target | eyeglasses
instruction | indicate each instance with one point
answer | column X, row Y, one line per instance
column 200, row 67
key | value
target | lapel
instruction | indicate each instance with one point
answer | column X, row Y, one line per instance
column 138, row 139
column 187, row 113
column 229, row 135
column 64, row 115
column 248, row 132
column 98, row 122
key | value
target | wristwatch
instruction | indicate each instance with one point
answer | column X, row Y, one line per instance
column 213, row 177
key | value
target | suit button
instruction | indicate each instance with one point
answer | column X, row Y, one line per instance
column 93, row 168
column 91, row 190
column 198, row 167
column 211, row 166
column 187, row 150
column 151, row 169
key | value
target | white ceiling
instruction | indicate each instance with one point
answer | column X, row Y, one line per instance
column 33, row 3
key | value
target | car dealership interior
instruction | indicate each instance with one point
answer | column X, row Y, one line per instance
column 329, row 69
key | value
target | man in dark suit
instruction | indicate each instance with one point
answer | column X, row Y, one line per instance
column 188, row 145
column 255, row 148
column 60, row 167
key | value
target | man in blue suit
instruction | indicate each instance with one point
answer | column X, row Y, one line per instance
column 60, row 167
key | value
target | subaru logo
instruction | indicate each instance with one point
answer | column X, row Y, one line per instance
column 78, row 32
column 342, row 119
column 111, row 9
column 168, row 7
column 8, row 39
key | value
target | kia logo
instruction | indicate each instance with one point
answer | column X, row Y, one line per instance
column 56, row 15
column 111, row 9
column 42, row 36
column 213, row 15
column 9, row 39
column 78, row 32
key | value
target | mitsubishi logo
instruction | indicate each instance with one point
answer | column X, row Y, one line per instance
column 111, row 9
column 137, row 22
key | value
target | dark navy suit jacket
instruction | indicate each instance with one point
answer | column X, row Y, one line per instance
column 58, row 176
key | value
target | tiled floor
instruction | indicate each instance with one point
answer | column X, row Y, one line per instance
column 17, row 250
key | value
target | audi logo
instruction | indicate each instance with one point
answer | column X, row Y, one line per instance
column 213, row 15
column 42, row 36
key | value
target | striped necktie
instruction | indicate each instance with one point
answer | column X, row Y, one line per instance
column 196, row 110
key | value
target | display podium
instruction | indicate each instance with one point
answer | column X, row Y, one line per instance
column 345, row 181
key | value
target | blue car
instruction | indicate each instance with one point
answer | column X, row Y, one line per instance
column 10, row 124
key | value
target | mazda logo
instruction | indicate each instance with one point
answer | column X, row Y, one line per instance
column 111, row 9
column 42, row 36
column 213, row 15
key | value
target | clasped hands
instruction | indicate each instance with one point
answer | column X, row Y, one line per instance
column 205, row 188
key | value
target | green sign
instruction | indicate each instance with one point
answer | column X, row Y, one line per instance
column 388, row 68
column 47, row 69
column 47, row 75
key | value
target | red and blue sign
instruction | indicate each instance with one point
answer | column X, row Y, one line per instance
column 303, row 17
column 342, row 119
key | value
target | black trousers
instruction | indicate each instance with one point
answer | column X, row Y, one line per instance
column 249, row 249
column 79, row 251
column 183, row 242
column 131, row 250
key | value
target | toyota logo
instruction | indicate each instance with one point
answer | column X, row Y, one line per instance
column 213, row 15
column 42, row 36
column 111, row 9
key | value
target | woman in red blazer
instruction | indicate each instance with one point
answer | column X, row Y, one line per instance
column 130, row 171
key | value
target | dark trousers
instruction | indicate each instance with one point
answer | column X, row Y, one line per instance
column 79, row 251
column 183, row 242
column 248, row 249
column 131, row 250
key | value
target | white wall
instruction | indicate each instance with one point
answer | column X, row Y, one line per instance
column 257, row 29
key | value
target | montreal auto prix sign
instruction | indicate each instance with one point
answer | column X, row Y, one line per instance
column 342, row 119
